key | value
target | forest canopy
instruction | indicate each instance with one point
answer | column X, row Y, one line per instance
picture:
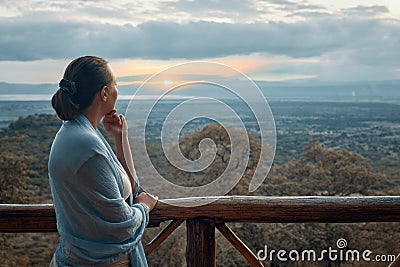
column 24, row 149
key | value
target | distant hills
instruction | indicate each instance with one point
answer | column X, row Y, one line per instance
column 26, row 89
column 288, row 89
column 315, row 89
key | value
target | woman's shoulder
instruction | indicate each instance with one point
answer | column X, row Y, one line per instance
column 74, row 136
column 73, row 145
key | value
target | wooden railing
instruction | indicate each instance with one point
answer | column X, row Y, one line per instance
column 204, row 214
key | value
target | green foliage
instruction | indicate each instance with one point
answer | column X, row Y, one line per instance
column 189, row 146
column 323, row 171
column 14, row 172
column 318, row 171
column 24, row 149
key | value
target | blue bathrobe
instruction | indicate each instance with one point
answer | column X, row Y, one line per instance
column 95, row 223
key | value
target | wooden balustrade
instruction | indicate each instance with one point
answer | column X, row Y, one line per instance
column 204, row 214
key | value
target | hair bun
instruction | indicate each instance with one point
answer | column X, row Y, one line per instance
column 64, row 105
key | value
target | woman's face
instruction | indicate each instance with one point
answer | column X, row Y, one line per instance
column 113, row 92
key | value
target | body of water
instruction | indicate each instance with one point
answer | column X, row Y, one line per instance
column 11, row 110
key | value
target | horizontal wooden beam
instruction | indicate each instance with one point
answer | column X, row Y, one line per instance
column 22, row 218
column 251, row 209
column 298, row 209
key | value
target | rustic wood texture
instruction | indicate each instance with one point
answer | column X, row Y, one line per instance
column 239, row 245
column 257, row 209
column 200, row 243
column 164, row 234
column 18, row 218
column 41, row 218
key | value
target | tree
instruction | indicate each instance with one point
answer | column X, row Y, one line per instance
column 324, row 171
column 318, row 171
column 14, row 173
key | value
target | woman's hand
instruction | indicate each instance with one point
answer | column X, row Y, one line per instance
column 148, row 199
column 114, row 123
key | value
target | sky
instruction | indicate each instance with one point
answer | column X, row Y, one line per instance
column 268, row 40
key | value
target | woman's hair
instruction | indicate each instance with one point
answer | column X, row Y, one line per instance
column 83, row 78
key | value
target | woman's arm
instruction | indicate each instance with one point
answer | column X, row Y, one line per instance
column 124, row 155
column 116, row 125
column 126, row 158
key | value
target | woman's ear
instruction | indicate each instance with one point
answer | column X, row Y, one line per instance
column 104, row 93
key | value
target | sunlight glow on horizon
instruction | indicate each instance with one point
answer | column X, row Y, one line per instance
column 255, row 66
column 135, row 72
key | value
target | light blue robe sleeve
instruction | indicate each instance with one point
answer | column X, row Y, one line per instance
column 101, row 209
column 136, row 191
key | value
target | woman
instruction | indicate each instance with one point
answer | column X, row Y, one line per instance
column 100, row 216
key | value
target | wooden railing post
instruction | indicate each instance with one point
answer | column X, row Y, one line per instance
column 200, row 243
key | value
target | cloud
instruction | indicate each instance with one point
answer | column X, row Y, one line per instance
column 211, row 10
column 366, row 10
column 311, row 14
column 237, row 6
column 369, row 41
column 293, row 6
column 288, row 8
column 357, row 39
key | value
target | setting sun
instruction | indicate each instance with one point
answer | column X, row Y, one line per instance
column 166, row 82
